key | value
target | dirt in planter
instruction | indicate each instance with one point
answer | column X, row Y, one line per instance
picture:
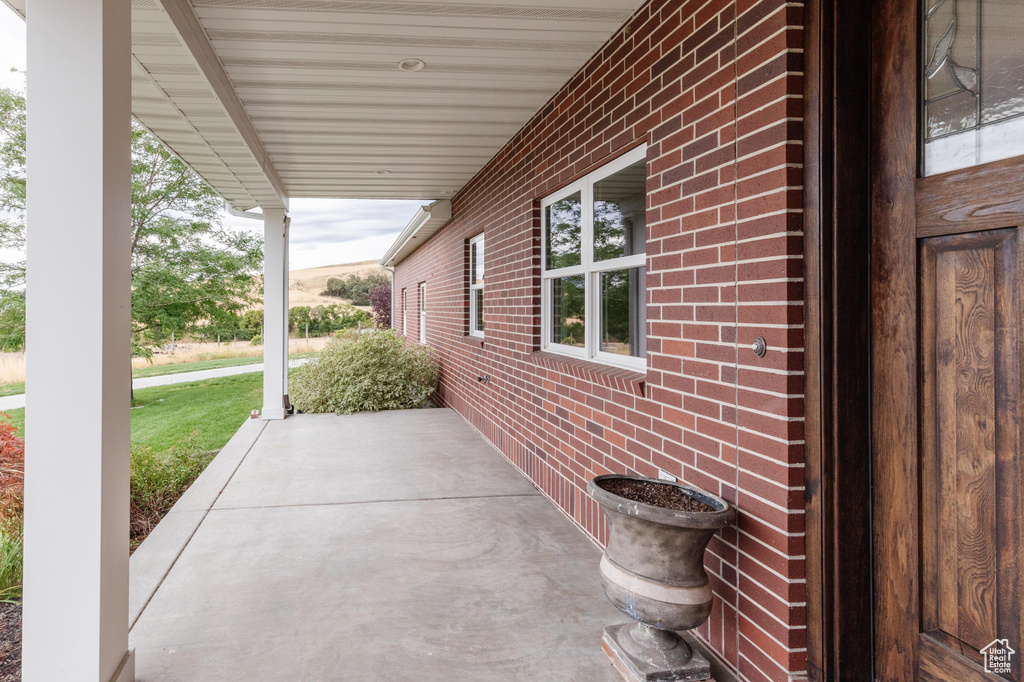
column 655, row 494
column 10, row 642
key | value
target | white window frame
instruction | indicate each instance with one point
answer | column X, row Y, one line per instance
column 475, row 285
column 405, row 326
column 590, row 269
column 423, row 312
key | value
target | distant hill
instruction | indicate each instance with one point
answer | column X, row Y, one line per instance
column 304, row 286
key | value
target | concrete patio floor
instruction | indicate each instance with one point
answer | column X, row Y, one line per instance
column 383, row 546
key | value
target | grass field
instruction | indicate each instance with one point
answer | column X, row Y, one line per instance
column 214, row 408
column 163, row 370
column 188, row 353
column 299, row 349
column 304, row 286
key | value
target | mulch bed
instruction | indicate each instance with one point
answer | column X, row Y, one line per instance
column 655, row 494
column 10, row 642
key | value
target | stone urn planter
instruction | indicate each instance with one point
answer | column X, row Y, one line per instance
column 653, row 571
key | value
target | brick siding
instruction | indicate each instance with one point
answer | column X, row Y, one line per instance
column 714, row 89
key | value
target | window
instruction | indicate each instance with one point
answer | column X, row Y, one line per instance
column 476, row 285
column 594, row 265
column 972, row 94
column 423, row 312
column 405, row 326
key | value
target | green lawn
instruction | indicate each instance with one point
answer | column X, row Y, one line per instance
column 215, row 408
column 12, row 389
column 17, row 417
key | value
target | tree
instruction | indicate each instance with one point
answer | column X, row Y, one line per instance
column 187, row 271
column 354, row 287
column 335, row 287
column 12, row 218
column 250, row 324
column 380, row 299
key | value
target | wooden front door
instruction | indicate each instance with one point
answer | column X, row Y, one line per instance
column 947, row 244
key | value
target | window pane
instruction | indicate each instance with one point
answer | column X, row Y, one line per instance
column 568, row 310
column 476, row 256
column 620, row 203
column 951, row 114
column 623, row 302
column 478, row 322
column 562, row 222
column 1002, row 60
column 973, row 78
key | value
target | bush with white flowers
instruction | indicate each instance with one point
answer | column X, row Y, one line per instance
column 365, row 372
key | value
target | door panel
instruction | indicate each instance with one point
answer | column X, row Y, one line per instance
column 937, row 663
column 946, row 331
column 969, row 485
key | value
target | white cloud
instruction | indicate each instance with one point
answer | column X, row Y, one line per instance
column 330, row 231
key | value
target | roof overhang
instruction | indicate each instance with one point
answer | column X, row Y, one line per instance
column 271, row 99
column 427, row 221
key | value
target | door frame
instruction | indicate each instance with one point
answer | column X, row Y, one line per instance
column 894, row 303
column 861, row 299
column 837, row 280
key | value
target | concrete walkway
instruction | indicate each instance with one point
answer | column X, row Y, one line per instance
column 385, row 546
column 12, row 402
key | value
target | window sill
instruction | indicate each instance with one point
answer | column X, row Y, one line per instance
column 475, row 341
column 595, row 372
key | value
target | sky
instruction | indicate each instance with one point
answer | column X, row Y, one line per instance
column 323, row 231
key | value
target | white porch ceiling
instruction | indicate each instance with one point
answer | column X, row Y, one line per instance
column 270, row 99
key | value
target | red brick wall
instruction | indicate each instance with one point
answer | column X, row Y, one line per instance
column 714, row 88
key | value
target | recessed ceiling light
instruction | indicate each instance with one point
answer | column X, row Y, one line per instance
column 383, row 172
column 411, row 65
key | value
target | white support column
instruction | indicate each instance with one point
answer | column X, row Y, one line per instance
column 77, row 462
column 275, row 281
column 287, row 304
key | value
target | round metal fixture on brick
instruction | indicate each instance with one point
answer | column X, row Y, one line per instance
column 411, row 65
column 760, row 347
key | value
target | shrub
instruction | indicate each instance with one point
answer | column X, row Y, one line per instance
column 365, row 373
column 12, row 507
column 324, row 319
column 158, row 479
column 354, row 319
column 12, row 474
column 12, row 557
